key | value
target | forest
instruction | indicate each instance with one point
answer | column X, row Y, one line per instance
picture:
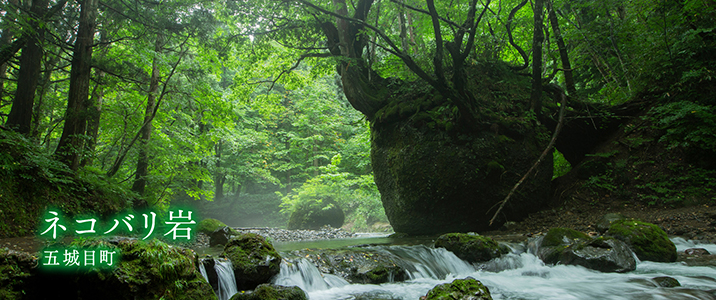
column 251, row 110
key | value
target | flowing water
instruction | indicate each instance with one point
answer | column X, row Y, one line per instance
column 519, row 275
column 226, row 279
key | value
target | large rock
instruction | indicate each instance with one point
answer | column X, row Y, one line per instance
column 570, row 247
column 207, row 226
column 253, row 259
column 460, row 289
column 357, row 265
column 437, row 177
column 272, row 292
column 648, row 241
column 15, row 272
column 220, row 236
column 470, row 247
column 316, row 213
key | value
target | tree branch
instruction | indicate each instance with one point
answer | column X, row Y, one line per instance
column 512, row 41
column 541, row 157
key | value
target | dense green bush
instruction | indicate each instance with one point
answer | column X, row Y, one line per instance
column 357, row 195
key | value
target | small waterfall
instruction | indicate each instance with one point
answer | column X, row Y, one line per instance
column 304, row 274
column 433, row 263
column 225, row 285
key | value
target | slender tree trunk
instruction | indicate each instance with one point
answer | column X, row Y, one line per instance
column 94, row 112
column 220, row 177
column 568, row 75
column 140, row 180
column 6, row 40
column 72, row 140
column 44, row 86
column 538, row 38
column 20, row 117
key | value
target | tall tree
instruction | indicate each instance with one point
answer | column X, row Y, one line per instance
column 20, row 116
column 78, row 103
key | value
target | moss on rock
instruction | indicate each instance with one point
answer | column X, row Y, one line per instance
column 460, row 289
column 254, row 260
column 648, row 241
column 271, row 292
column 207, row 226
column 470, row 247
column 357, row 265
column 562, row 236
column 15, row 272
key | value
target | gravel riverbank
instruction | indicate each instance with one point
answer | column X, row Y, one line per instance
column 285, row 235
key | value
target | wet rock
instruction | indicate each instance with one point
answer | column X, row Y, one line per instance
column 601, row 254
column 220, row 236
column 357, row 265
column 696, row 252
column 272, row 292
column 460, row 289
column 570, row 247
column 470, row 247
column 315, row 213
column 211, row 274
column 648, row 241
column 254, row 260
column 666, row 281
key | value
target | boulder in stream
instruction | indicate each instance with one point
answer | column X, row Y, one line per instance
column 272, row 292
column 460, row 289
column 357, row 265
column 220, row 236
column 471, row 247
column 648, row 241
column 570, row 247
column 254, row 260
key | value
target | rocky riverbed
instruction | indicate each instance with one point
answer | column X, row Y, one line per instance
column 285, row 235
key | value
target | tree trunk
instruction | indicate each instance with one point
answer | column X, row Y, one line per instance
column 140, row 180
column 538, row 37
column 72, row 141
column 568, row 77
column 94, row 112
column 6, row 40
column 20, row 117
column 220, row 177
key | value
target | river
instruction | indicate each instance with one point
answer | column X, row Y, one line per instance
column 518, row 275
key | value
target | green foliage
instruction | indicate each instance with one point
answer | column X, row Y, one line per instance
column 561, row 165
column 357, row 195
column 687, row 124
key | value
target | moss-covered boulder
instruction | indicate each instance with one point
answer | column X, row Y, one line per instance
column 254, row 260
column 470, row 247
column 144, row 270
column 15, row 272
column 315, row 213
column 460, row 289
column 272, row 292
column 437, row 174
column 357, row 265
column 648, row 241
column 207, row 226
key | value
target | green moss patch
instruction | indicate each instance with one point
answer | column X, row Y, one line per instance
column 557, row 236
column 254, row 260
column 207, row 226
column 648, row 241
column 470, row 247
column 468, row 288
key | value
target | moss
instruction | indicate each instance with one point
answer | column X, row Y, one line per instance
column 468, row 288
column 207, row 226
column 254, row 260
column 272, row 292
column 15, row 272
column 648, row 241
column 556, row 236
column 470, row 247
